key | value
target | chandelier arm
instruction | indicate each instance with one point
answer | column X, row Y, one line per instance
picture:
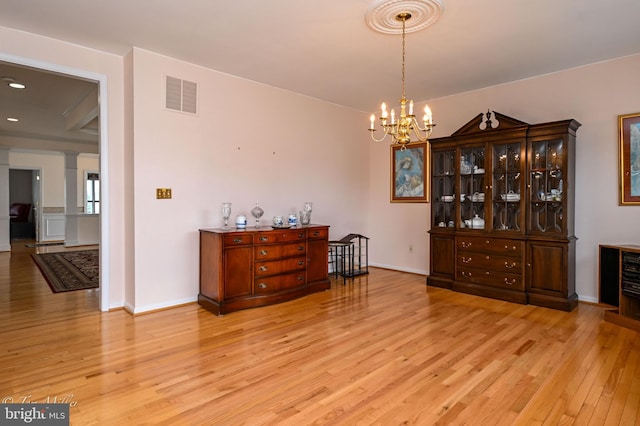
column 427, row 127
column 384, row 135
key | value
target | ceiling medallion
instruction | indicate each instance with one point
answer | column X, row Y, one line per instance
column 382, row 15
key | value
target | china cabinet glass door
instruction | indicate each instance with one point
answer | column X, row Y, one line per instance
column 507, row 187
column 472, row 184
column 547, row 181
column 443, row 189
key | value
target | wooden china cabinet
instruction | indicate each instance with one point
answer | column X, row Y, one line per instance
column 502, row 211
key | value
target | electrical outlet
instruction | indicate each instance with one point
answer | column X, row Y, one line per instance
column 163, row 193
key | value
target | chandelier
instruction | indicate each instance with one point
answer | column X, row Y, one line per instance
column 402, row 128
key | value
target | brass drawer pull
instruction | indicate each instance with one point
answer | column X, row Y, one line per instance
column 466, row 244
column 466, row 274
column 237, row 240
column 316, row 233
column 509, row 282
column 262, row 268
column 262, row 285
column 509, row 266
column 300, row 262
column 514, row 248
column 263, row 252
column 300, row 248
column 301, row 235
column 466, row 259
column 263, row 238
column 300, row 277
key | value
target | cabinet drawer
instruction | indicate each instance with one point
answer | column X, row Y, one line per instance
column 317, row 234
column 494, row 262
column 238, row 239
column 275, row 267
column 490, row 278
column 281, row 236
column 490, row 245
column 282, row 282
column 269, row 252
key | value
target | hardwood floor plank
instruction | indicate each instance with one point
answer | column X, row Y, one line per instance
column 382, row 349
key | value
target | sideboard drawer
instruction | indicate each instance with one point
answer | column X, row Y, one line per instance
column 270, row 252
column 238, row 239
column 274, row 267
column 281, row 282
column 317, row 234
column 280, row 236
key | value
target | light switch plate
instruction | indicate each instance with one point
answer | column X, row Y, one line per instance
column 163, row 193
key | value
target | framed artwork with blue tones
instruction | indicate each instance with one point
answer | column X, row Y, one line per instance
column 629, row 129
column 409, row 173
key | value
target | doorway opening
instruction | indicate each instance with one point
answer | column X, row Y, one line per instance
column 99, row 125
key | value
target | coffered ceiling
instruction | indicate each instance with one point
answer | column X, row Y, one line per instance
column 324, row 49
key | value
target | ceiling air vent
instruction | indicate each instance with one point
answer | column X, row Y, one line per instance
column 181, row 95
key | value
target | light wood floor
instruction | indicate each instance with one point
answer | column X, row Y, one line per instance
column 382, row 350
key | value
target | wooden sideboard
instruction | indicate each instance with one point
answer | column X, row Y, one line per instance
column 247, row 268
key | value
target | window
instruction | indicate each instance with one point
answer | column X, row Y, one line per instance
column 92, row 198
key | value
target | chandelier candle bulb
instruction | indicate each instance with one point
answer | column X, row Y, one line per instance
column 410, row 107
column 373, row 120
column 393, row 116
column 427, row 114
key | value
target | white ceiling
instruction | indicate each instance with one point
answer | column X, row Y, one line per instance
column 324, row 49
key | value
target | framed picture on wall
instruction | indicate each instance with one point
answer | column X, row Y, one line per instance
column 629, row 130
column 409, row 173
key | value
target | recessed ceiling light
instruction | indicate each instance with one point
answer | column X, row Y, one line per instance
column 12, row 119
column 13, row 83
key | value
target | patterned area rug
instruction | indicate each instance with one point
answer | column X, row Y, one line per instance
column 71, row 270
column 32, row 245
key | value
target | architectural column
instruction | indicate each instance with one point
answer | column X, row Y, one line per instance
column 71, row 199
column 5, row 227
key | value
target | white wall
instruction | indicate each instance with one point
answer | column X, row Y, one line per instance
column 249, row 142
column 594, row 95
column 51, row 165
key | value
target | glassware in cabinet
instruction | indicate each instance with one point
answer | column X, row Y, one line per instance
column 547, row 186
column 507, row 186
column 472, row 187
column 443, row 188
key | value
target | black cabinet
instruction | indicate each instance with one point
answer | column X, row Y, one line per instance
column 619, row 279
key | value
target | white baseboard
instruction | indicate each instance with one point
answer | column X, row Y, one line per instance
column 587, row 299
column 159, row 306
column 396, row 268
